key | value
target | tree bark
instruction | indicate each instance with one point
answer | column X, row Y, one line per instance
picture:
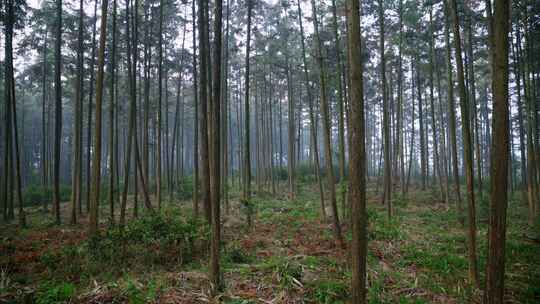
column 77, row 123
column 467, row 148
column 96, row 163
column 58, row 111
column 387, row 196
column 215, row 163
column 313, row 125
column 357, row 190
column 452, row 112
column 112, row 106
column 494, row 292
column 246, row 189
column 203, row 99
column 160, row 96
column 326, row 130
column 196, row 94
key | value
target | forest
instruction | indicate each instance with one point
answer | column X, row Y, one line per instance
column 270, row 151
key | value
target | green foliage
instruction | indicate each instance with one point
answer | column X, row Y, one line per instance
column 184, row 190
column 248, row 207
column 302, row 211
column 65, row 263
column 407, row 300
column 382, row 228
column 235, row 254
column 138, row 293
column 51, row 293
column 483, row 206
column 156, row 228
column 442, row 263
column 167, row 235
column 50, row 260
column 286, row 272
column 280, row 173
column 375, row 291
column 239, row 301
column 330, row 292
column 37, row 195
column 150, row 240
column 306, row 173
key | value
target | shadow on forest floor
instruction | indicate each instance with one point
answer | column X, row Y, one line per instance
column 288, row 256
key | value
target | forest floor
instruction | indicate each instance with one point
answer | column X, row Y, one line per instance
column 287, row 256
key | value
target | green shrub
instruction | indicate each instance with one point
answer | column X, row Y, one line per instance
column 37, row 195
column 306, row 173
column 286, row 272
column 280, row 173
column 167, row 235
column 442, row 263
column 330, row 292
column 50, row 260
column 138, row 293
column 186, row 187
column 234, row 253
column 382, row 228
column 51, row 293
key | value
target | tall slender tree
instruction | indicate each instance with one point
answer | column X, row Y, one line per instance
column 11, row 114
column 77, row 123
column 387, row 196
column 494, row 293
column 58, row 110
column 159, row 110
column 467, row 147
column 90, row 105
column 215, row 163
column 340, row 101
column 357, row 185
column 246, row 188
column 113, row 106
column 203, row 100
column 326, row 128
column 96, row 163
column 196, row 95
column 313, row 125
column 436, row 161
column 452, row 112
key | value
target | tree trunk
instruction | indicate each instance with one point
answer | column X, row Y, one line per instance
column 112, row 105
column 436, row 162
column 77, row 123
column 291, row 132
column 11, row 116
column 160, row 96
column 452, row 112
column 326, row 130
column 387, row 196
column 44, row 127
column 357, row 187
column 203, row 99
column 313, row 126
column 96, row 163
column 214, row 147
column 494, row 292
column 58, row 111
column 90, row 99
column 423, row 161
column 196, row 94
column 341, row 123
column 472, row 95
column 400, row 140
column 246, row 189
column 467, row 148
